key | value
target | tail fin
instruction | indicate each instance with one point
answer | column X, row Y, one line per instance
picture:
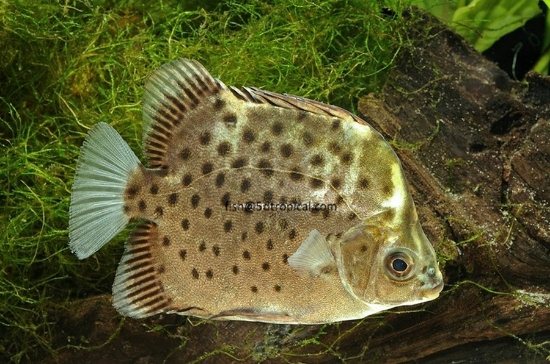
column 96, row 213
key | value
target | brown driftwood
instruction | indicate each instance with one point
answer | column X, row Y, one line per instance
column 475, row 147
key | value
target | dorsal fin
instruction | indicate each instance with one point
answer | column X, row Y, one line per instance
column 137, row 290
column 300, row 103
column 171, row 92
column 176, row 93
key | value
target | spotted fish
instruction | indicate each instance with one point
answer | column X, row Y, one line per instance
column 254, row 206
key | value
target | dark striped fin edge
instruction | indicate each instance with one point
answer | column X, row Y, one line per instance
column 137, row 290
column 171, row 92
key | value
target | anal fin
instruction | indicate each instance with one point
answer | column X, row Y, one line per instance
column 137, row 290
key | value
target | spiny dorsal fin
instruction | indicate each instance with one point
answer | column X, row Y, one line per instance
column 301, row 103
column 313, row 255
column 171, row 92
column 96, row 212
column 137, row 290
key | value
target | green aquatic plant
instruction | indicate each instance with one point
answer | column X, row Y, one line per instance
column 483, row 22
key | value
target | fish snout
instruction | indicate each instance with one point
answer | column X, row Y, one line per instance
column 433, row 283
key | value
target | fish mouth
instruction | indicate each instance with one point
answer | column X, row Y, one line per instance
column 431, row 291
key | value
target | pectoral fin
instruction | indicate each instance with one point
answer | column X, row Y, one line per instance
column 313, row 256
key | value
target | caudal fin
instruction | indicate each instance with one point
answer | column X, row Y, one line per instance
column 96, row 212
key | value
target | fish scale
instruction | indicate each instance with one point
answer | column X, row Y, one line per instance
column 212, row 148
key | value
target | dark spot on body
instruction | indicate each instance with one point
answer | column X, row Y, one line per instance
column 326, row 213
column 363, row 248
column 207, row 168
column 346, row 158
column 246, row 255
column 283, row 224
column 220, row 179
column 166, row 241
column 235, row 269
column 268, row 196
column 230, row 119
column 142, row 205
column 245, row 185
column 317, row 160
column 259, row 227
column 132, row 191
column 159, row 211
column 265, row 266
column 172, row 199
column 219, row 104
column 202, row 247
column 336, row 183
column 285, row 258
column 216, row 250
column 186, row 180
column 254, row 289
column 227, row 226
column 302, row 115
column 277, row 128
column 363, row 183
column 277, row 288
column 266, row 147
column 352, row 216
column 248, row 136
column 295, row 175
column 224, row 148
column 308, row 139
column 244, row 236
column 161, row 269
column 204, row 138
column 226, row 198
column 154, row 189
column 208, row 212
column 126, row 209
column 238, row 163
column 185, row 153
column 209, row 274
column 185, row 224
column 316, row 183
column 266, row 168
column 335, row 124
column 286, row 150
column 292, row 234
column 195, row 273
column 183, row 254
column 195, row 200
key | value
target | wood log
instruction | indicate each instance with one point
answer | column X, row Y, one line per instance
column 475, row 147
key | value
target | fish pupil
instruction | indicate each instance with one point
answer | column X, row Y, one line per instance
column 399, row 265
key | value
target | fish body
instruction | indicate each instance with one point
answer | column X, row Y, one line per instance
column 254, row 206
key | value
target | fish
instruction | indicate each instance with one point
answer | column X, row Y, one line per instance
column 252, row 206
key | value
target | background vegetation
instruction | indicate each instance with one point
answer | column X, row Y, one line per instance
column 65, row 66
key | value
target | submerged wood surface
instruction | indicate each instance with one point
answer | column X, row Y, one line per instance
column 475, row 147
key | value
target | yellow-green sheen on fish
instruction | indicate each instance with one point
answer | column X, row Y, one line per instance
column 254, row 206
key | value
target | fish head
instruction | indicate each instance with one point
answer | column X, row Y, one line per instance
column 386, row 266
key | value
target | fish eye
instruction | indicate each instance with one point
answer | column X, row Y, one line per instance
column 399, row 265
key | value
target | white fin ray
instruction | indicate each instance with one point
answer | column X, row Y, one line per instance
column 96, row 212
column 313, row 255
